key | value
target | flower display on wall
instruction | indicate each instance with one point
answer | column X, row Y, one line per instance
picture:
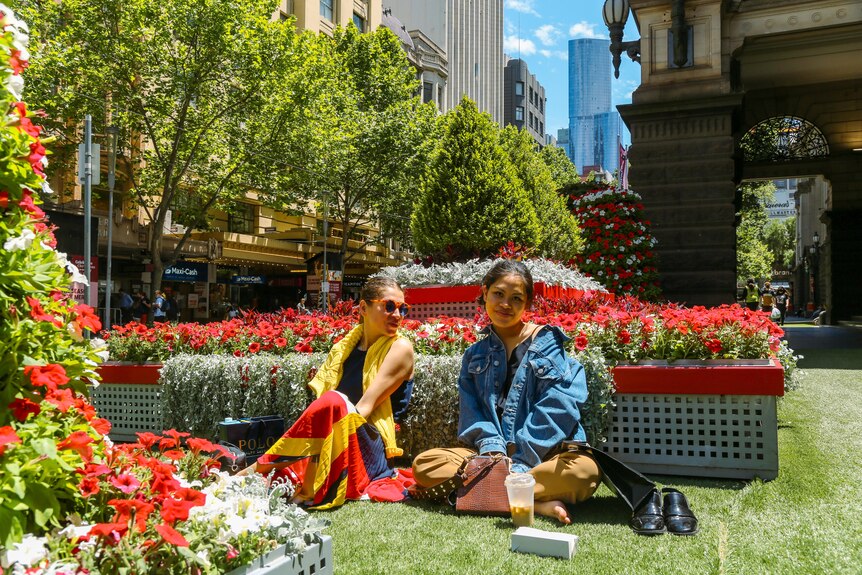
column 618, row 247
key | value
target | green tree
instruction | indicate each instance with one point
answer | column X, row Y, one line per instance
column 753, row 256
column 200, row 89
column 559, row 236
column 472, row 200
column 781, row 239
column 563, row 171
column 362, row 146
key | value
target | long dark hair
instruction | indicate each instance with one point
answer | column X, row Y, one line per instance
column 505, row 268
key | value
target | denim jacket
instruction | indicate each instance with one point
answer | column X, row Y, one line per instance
column 544, row 403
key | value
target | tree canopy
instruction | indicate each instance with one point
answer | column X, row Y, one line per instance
column 471, row 200
column 198, row 88
column 563, row 171
column 753, row 256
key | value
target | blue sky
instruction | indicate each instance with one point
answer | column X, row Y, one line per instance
column 542, row 29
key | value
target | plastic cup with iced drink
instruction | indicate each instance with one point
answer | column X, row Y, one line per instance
column 519, row 487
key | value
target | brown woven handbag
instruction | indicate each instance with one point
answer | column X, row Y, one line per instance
column 483, row 491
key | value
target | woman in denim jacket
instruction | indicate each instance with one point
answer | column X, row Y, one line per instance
column 520, row 395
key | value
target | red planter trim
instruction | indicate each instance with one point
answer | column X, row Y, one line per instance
column 700, row 380
column 147, row 374
column 453, row 294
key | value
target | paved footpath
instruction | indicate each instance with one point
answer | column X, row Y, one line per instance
column 802, row 336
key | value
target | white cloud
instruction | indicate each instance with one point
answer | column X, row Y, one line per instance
column 513, row 46
column 548, row 34
column 525, row 6
column 584, row 29
column 561, row 54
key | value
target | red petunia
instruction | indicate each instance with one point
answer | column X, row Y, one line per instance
column 22, row 408
column 63, row 399
column 112, row 531
column 280, row 342
column 7, row 437
column 198, row 444
column 581, row 342
column 171, row 535
column 147, row 439
column 89, row 486
column 174, row 510
column 78, row 441
column 86, row 318
column 253, row 347
column 126, row 483
column 50, row 376
column 101, row 425
column 174, row 454
column 126, row 508
column 39, row 314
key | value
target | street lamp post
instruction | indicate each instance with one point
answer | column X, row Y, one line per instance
column 814, row 250
column 112, row 133
column 615, row 14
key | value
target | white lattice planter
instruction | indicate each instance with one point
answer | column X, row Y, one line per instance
column 315, row 560
column 130, row 397
column 700, row 419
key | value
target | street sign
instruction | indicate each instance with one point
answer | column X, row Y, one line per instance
column 96, row 167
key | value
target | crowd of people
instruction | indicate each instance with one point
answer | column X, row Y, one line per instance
column 775, row 302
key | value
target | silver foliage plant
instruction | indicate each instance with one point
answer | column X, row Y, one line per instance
column 472, row 272
column 199, row 391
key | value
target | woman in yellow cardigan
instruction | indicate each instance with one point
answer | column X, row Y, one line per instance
column 344, row 440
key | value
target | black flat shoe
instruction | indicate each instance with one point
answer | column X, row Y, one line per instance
column 648, row 518
column 678, row 517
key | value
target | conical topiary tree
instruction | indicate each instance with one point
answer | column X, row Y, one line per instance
column 48, row 430
column 471, row 200
column 618, row 247
column 559, row 237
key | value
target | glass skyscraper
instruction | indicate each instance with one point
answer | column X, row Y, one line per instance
column 594, row 124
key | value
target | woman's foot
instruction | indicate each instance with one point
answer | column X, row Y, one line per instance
column 553, row 509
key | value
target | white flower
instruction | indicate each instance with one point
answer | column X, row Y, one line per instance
column 46, row 189
column 22, row 242
column 15, row 85
column 28, row 552
column 101, row 348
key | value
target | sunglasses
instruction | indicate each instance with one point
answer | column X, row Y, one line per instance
column 392, row 305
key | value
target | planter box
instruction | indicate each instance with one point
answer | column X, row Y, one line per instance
column 315, row 560
column 707, row 419
column 460, row 301
column 130, row 397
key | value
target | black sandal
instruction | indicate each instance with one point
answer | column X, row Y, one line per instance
column 678, row 517
column 648, row 518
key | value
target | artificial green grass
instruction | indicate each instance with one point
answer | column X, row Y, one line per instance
column 806, row 521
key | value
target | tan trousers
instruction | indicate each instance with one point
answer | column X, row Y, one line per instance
column 567, row 477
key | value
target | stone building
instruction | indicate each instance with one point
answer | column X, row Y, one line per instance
column 755, row 89
column 524, row 100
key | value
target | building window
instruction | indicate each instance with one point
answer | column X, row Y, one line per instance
column 519, row 88
column 542, row 128
column 326, row 9
column 358, row 21
column 531, row 119
column 427, row 92
column 519, row 113
column 241, row 219
column 542, row 105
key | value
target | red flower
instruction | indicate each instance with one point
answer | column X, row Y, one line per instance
column 113, row 531
column 253, row 347
column 39, row 314
column 174, row 510
column 94, row 470
column 63, row 399
column 7, row 437
column 126, row 483
column 126, row 508
column 171, row 535
column 89, row 486
column 101, row 425
column 147, row 439
column 197, row 444
column 581, row 342
column 713, row 345
column 86, row 318
column 22, row 408
column 49, row 376
column 280, row 342
column 78, row 441
column 193, row 496
column 174, row 454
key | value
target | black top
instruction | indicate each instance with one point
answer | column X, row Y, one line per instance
column 515, row 360
column 351, row 384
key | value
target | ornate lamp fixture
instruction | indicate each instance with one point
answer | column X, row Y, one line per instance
column 615, row 14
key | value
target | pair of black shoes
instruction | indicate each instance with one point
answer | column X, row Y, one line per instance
column 673, row 516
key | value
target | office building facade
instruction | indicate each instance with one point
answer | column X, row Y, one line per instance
column 595, row 128
column 470, row 33
column 524, row 100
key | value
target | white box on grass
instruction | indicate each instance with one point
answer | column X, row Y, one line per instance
column 547, row 543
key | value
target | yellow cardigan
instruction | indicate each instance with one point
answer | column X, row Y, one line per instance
column 329, row 376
